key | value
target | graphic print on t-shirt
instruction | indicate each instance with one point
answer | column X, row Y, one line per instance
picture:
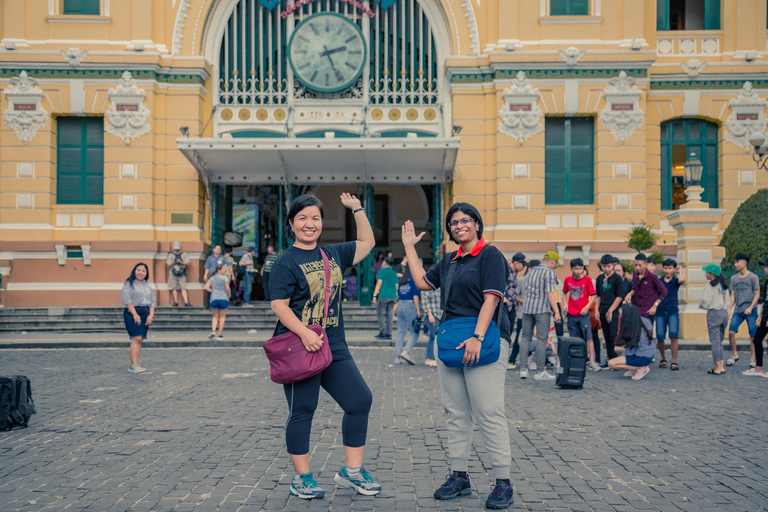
column 314, row 272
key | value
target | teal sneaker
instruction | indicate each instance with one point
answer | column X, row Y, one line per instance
column 305, row 487
column 361, row 481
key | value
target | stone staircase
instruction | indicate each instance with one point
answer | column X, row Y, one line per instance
column 110, row 319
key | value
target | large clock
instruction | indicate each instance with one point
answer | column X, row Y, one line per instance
column 327, row 52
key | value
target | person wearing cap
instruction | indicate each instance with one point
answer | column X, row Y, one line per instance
column 610, row 293
column 177, row 262
column 246, row 260
column 540, row 303
column 578, row 296
column 745, row 292
column 520, row 268
column 715, row 301
column 762, row 330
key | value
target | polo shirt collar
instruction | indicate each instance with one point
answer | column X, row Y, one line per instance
column 473, row 252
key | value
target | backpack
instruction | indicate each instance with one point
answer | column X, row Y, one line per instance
column 16, row 404
column 177, row 268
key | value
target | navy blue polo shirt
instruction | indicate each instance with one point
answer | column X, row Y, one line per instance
column 482, row 271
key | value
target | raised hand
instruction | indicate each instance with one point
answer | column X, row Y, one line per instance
column 350, row 201
column 409, row 235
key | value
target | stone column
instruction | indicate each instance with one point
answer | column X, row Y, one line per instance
column 697, row 227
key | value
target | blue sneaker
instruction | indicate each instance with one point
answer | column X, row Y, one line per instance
column 453, row 487
column 305, row 487
column 502, row 496
column 361, row 481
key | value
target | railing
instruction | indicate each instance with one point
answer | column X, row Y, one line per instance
column 688, row 43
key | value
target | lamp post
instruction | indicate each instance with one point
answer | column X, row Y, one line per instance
column 760, row 152
column 693, row 169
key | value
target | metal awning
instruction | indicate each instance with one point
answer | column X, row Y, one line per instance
column 230, row 161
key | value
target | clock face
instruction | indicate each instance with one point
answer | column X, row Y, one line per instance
column 327, row 52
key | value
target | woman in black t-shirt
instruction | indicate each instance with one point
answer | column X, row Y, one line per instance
column 479, row 279
column 297, row 290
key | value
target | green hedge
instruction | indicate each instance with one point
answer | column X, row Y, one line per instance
column 748, row 230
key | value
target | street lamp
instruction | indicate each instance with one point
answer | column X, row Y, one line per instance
column 693, row 169
column 760, row 153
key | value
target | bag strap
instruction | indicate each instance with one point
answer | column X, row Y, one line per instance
column 448, row 282
column 326, row 283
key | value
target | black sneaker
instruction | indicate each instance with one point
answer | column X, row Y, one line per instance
column 502, row 496
column 453, row 487
column 380, row 336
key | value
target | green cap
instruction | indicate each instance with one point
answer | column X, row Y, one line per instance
column 552, row 255
column 712, row 268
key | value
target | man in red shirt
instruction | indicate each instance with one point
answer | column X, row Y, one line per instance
column 578, row 295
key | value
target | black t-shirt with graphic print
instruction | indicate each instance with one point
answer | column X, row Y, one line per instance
column 474, row 277
column 299, row 275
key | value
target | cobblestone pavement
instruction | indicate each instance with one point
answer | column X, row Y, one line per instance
column 203, row 431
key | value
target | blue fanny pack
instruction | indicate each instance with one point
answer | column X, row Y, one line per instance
column 456, row 331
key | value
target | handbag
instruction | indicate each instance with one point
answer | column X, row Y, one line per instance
column 454, row 332
column 289, row 360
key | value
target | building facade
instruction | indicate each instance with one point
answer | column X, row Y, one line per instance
column 129, row 125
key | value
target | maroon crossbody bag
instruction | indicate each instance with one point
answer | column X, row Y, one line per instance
column 289, row 360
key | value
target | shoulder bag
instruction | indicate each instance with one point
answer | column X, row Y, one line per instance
column 289, row 360
column 454, row 332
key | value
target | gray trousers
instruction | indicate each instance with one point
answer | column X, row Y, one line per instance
column 384, row 308
column 717, row 325
column 406, row 314
column 477, row 392
column 541, row 321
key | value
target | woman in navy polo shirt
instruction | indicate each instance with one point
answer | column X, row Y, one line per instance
column 479, row 280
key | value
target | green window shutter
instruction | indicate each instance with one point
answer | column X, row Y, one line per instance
column 554, row 161
column 579, row 8
column 662, row 14
column 82, row 7
column 569, row 7
column 581, row 155
column 568, row 161
column 80, row 161
column 711, row 14
column 558, row 7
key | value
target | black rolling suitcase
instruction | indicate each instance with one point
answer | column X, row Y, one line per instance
column 572, row 355
column 16, row 404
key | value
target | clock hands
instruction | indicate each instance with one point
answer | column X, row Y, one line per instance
column 327, row 53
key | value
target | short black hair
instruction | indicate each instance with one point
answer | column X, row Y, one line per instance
column 577, row 262
column 641, row 257
column 467, row 209
column 389, row 261
column 616, row 260
column 741, row 256
column 298, row 204
column 606, row 259
column 534, row 263
column 669, row 262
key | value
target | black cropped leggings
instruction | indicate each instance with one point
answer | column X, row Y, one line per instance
column 342, row 380
column 757, row 340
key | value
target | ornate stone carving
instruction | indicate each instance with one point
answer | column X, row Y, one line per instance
column 74, row 55
column 693, row 67
column 520, row 116
column 181, row 15
column 622, row 114
column 25, row 114
column 571, row 55
column 473, row 32
column 127, row 115
column 746, row 117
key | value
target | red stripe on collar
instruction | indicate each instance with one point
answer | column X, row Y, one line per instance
column 473, row 252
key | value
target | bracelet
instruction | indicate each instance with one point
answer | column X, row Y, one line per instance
column 358, row 210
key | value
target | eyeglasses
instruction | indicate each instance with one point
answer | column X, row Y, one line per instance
column 464, row 222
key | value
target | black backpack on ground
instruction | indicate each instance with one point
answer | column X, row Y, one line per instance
column 16, row 404
column 572, row 353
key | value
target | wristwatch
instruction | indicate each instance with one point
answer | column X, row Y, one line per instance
column 479, row 337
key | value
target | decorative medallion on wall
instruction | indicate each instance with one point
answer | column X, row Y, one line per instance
column 746, row 117
column 520, row 117
column 25, row 114
column 74, row 55
column 693, row 67
column 127, row 114
column 622, row 114
column 571, row 55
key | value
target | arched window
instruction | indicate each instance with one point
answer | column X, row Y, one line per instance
column 680, row 138
column 402, row 55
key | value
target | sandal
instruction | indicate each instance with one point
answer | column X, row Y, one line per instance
column 711, row 371
column 731, row 361
column 663, row 363
column 674, row 366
